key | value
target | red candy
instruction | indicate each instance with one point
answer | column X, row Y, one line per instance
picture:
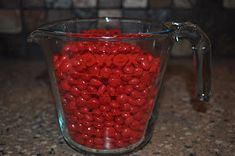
column 126, row 132
column 105, row 99
column 114, row 104
column 64, row 85
column 114, row 81
column 109, row 132
column 95, row 82
column 98, row 141
column 93, row 103
column 107, row 89
column 122, row 98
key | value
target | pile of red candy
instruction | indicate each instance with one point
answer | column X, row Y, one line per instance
column 107, row 90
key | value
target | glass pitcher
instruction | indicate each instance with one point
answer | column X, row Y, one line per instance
column 106, row 76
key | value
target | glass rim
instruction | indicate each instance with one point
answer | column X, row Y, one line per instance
column 45, row 30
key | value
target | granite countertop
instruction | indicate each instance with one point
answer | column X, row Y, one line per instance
column 28, row 123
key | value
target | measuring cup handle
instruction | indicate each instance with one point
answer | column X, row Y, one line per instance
column 201, row 48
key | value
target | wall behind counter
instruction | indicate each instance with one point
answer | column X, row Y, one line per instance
column 20, row 17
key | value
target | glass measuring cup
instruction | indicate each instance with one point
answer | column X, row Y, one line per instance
column 106, row 76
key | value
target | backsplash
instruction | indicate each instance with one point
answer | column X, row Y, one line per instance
column 19, row 17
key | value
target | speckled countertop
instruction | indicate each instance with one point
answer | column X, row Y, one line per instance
column 28, row 122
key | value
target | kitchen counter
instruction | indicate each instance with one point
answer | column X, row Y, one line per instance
column 28, row 123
